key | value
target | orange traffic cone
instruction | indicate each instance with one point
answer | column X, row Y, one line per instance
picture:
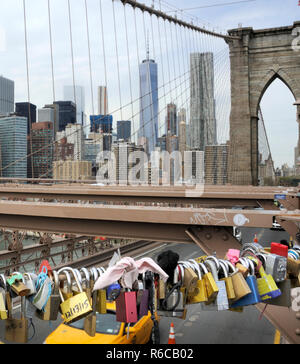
column 255, row 239
column 172, row 335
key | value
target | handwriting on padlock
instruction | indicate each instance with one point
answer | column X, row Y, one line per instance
column 77, row 309
column 16, row 278
column 295, row 293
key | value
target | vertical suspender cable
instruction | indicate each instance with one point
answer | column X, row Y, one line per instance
column 129, row 68
column 51, row 51
column 117, row 56
column 72, row 51
column 28, row 87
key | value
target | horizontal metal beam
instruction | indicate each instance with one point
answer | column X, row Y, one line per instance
column 211, row 196
column 139, row 214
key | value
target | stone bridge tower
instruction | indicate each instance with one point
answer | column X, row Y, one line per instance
column 257, row 59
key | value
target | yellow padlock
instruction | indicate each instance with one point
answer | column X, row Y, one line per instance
column 211, row 285
column 201, row 291
column 228, row 282
column 267, row 287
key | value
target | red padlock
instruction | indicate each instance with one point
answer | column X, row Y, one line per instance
column 279, row 249
column 126, row 307
column 45, row 267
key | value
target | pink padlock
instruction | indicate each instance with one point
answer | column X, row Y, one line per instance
column 233, row 255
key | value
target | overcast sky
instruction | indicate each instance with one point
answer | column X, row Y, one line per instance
column 279, row 114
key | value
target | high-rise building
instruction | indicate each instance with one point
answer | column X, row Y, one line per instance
column 42, row 145
column 7, row 96
column 63, row 150
column 74, row 135
column 124, row 130
column 149, row 103
column 28, row 111
column 13, row 141
column 171, row 119
column 70, row 93
column 216, row 164
column 103, row 124
column 182, row 137
column 46, row 115
column 162, row 143
column 203, row 115
column 67, row 113
column 102, row 100
column 55, row 108
column 124, row 163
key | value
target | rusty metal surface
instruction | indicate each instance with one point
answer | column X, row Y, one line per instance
column 137, row 214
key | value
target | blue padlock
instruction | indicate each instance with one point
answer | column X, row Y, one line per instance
column 113, row 292
column 254, row 297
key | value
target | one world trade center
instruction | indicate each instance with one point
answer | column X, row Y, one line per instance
column 148, row 104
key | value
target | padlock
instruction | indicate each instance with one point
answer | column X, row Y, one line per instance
column 17, row 284
column 94, row 275
column 76, row 307
column 86, row 283
column 161, row 289
column 43, row 290
column 267, row 287
column 16, row 330
column 257, row 248
column 3, row 310
column 101, row 296
column 113, row 291
column 66, row 288
column 240, row 285
column 75, row 289
column 276, row 266
column 279, row 249
column 190, row 278
column 228, row 281
column 174, row 303
column 212, row 288
column 126, row 307
column 201, row 292
column 51, row 310
column 241, row 268
column 30, row 282
column 254, row 297
column 142, row 298
column 221, row 302
column 90, row 322
column 293, row 267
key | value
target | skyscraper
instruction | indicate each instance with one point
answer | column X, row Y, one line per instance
column 42, row 141
column 74, row 134
column 124, row 130
column 203, row 116
column 13, row 141
column 149, row 103
column 102, row 100
column 67, row 113
column 80, row 101
column 7, row 96
column 28, row 111
column 182, row 135
column 171, row 119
